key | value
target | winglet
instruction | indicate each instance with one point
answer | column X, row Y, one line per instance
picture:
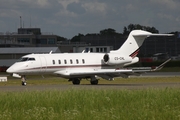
column 162, row 65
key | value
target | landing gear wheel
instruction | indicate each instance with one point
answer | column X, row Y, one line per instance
column 76, row 81
column 24, row 83
column 95, row 82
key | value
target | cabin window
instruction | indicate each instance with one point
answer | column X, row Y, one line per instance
column 59, row 61
column 53, row 61
column 83, row 61
column 71, row 61
column 77, row 61
column 65, row 62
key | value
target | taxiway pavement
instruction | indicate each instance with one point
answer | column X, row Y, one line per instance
column 134, row 86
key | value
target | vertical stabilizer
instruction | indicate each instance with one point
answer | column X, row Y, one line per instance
column 132, row 44
column 134, row 41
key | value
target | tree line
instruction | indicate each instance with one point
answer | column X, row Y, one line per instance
column 126, row 31
column 131, row 27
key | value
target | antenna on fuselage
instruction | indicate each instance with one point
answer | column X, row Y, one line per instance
column 83, row 51
column 50, row 52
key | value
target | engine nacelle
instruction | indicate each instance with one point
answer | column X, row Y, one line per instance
column 116, row 59
column 134, row 60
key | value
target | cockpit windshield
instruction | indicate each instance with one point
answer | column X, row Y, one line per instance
column 27, row 59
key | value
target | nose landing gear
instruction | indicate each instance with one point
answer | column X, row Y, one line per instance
column 23, row 79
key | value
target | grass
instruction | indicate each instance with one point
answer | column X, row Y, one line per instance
column 75, row 104
column 90, row 104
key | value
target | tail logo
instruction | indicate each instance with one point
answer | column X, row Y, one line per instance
column 135, row 53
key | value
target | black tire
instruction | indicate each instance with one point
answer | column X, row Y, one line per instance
column 23, row 83
column 95, row 82
column 76, row 81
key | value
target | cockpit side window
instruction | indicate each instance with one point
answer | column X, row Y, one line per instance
column 31, row 59
column 24, row 59
column 27, row 59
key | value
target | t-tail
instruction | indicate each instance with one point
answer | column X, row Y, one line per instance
column 133, row 43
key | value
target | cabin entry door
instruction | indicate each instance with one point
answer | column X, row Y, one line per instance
column 43, row 64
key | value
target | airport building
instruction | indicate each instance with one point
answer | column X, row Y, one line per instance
column 33, row 37
column 28, row 37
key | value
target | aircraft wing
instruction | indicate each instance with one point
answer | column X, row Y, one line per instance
column 91, row 72
column 110, row 73
column 148, row 69
column 137, row 71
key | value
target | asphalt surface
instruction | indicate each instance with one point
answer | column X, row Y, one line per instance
column 134, row 86
column 161, row 74
column 100, row 86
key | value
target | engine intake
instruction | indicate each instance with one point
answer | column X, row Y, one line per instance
column 106, row 58
column 115, row 59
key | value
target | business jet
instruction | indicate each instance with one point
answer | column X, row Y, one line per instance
column 77, row 66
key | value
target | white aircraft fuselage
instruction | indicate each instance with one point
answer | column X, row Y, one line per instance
column 51, row 63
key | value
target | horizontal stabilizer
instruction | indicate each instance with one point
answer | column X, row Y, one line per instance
column 151, row 34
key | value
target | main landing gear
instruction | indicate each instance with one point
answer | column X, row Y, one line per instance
column 23, row 79
column 76, row 81
column 94, row 80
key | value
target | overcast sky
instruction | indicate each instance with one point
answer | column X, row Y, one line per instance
column 67, row 18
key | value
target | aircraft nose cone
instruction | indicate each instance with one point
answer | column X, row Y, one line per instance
column 10, row 70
